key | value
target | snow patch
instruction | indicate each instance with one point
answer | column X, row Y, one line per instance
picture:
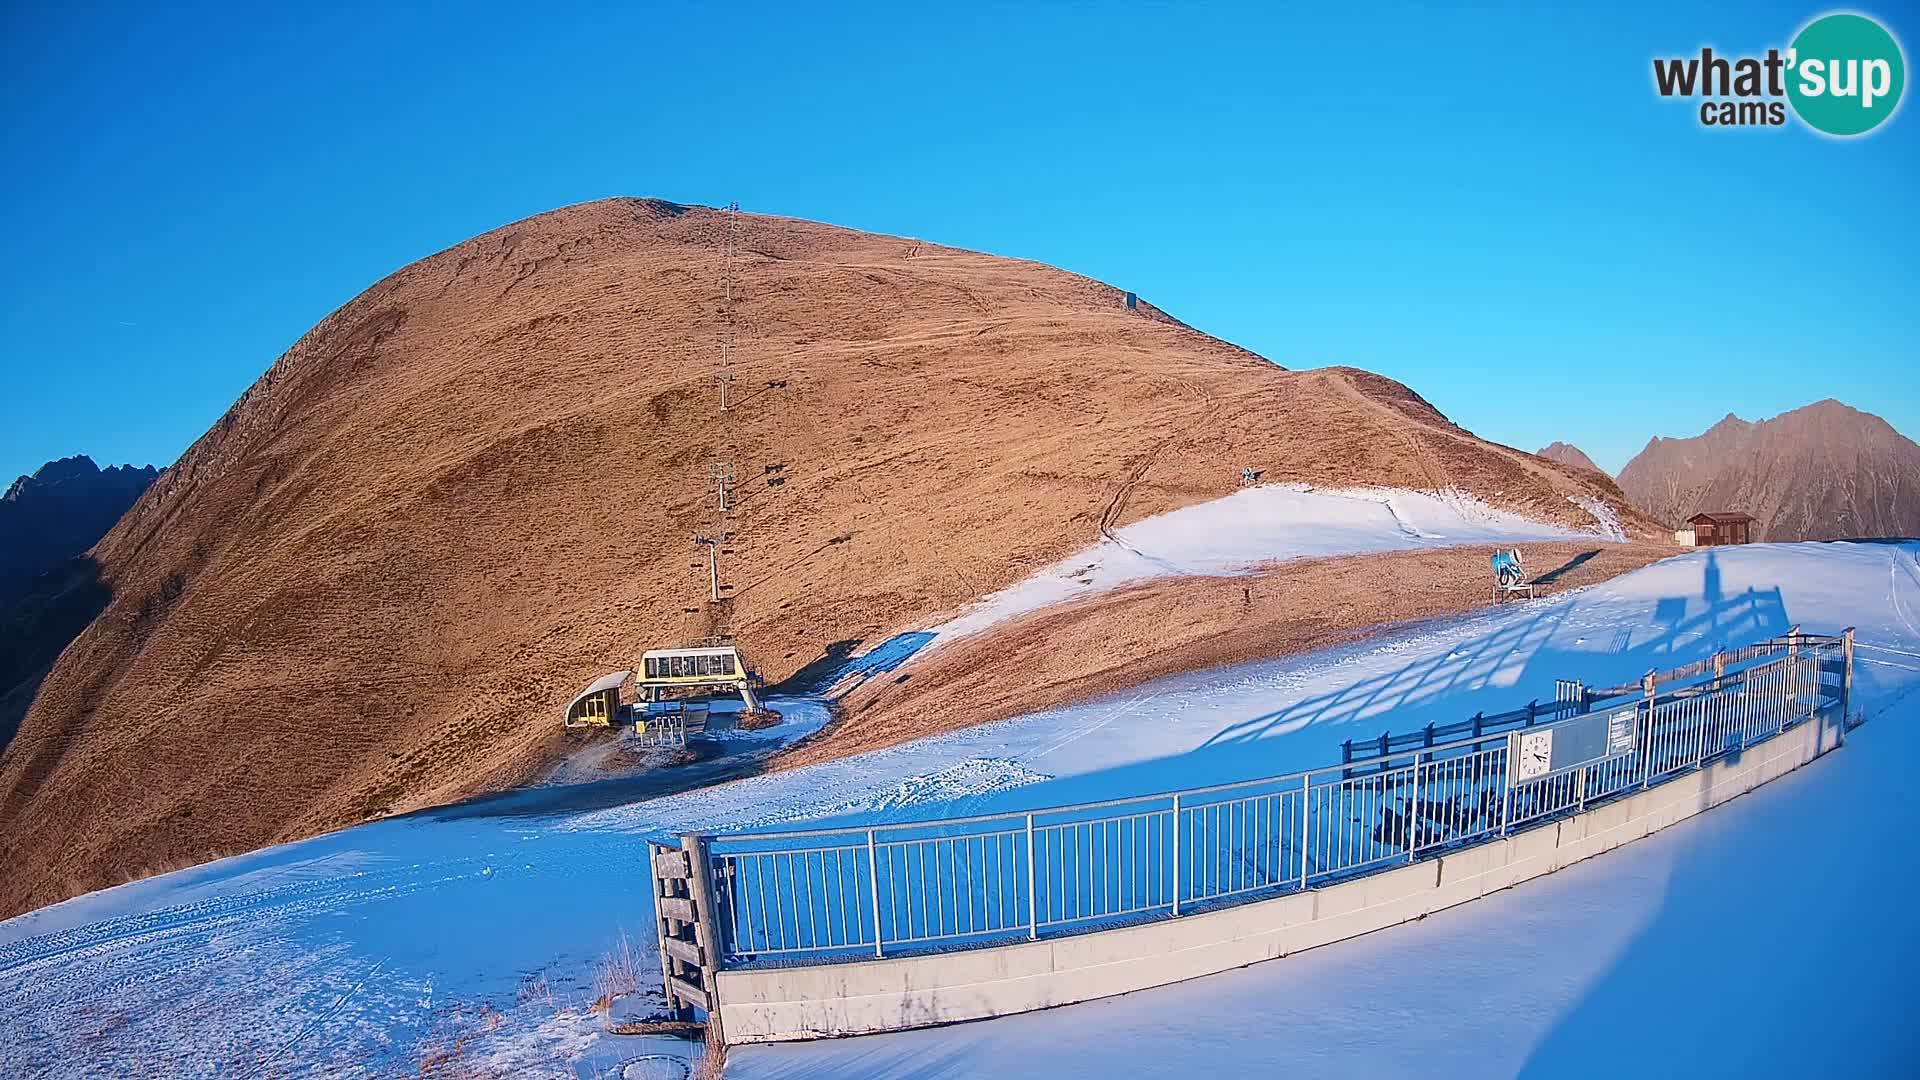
column 1254, row 527
column 973, row 777
column 946, row 787
column 1606, row 520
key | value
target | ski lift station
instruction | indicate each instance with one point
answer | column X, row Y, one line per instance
column 663, row 674
column 712, row 667
column 599, row 703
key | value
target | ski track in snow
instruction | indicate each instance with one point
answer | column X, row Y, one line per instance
column 375, row 950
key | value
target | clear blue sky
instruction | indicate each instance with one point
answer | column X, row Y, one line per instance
column 1492, row 207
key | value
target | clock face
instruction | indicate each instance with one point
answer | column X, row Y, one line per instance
column 1534, row 754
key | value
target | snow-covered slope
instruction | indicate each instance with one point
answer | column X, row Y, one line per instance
column 473, row 934
column 1266, row 524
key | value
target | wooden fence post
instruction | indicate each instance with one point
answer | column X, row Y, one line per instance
column 700, row 889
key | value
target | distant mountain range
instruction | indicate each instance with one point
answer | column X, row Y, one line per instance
column 59, row 512
column 1568, row 454
column 1823, row 472
column 49, row 592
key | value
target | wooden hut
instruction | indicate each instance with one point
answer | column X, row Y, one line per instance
column 1720, row 529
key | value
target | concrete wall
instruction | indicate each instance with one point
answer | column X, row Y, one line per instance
column 781, row 1004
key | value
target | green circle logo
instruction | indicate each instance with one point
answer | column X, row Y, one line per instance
column 1845, row 74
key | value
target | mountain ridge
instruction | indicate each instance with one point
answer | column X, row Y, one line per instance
column 370, row 586
column 1823, row 471
column 1568, row 454
column 59, row 511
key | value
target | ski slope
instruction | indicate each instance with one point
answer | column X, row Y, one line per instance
column 1266, row 524
column 467, row 939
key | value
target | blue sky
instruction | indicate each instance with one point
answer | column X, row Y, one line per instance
column 1490, row 205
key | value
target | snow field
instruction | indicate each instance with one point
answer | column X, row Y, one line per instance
column 1267, row 524
column 476, row 931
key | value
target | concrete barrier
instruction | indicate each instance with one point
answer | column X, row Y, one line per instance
column 789, row 1003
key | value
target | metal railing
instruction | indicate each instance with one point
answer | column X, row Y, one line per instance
column 1571, row 697
column 850, row 892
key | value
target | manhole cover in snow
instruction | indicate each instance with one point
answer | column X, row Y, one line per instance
column 655, row 1067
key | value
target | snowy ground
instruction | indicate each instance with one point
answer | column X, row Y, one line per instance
column 1267, row 524
column 1766, row 937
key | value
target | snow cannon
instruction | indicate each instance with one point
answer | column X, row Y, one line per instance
column 1510, row 576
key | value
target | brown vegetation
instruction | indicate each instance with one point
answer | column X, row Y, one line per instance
column 713, row 1057
column 372, row 584
column 617, row 975
column 1107, row 643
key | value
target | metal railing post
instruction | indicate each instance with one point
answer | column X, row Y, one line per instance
column 1793, row 665
column 1176, row 854
column 1788, row 715
column 1813, row 681
column 1506, row 787
column 1306, row 799
column 1706, row 726
column 1580, row 791
column 873, row 880
column 1413, row 811
column 1651, row 688
column 1033, row 900
column 1846, row 687
column 1741, row 718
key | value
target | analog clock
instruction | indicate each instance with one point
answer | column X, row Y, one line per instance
column 1533, row 752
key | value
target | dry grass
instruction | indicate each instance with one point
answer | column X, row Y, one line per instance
column 1129, row 636
column 446, row 1059
column 713, row 1060
column 758, row 719
column 617, row 975
column 684, row 1028
column 535, row 988
column 370, row 587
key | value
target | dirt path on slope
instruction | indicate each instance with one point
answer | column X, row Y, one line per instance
column 1133, row 635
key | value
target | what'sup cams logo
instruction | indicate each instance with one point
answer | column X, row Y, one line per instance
column 1843, row 75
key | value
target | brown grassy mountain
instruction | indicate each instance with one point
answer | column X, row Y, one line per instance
column 1568, row 454
column 1822, row 472
column 471, row 489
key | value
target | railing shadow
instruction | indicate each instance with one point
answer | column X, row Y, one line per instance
column 1790, row 906
column 1414, row 693
column 1522, row 653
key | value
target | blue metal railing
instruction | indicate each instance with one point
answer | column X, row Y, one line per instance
column 857, row 892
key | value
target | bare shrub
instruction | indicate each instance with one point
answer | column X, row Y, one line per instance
column 758, row 719
column 617, row 976
column 713, row 1062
